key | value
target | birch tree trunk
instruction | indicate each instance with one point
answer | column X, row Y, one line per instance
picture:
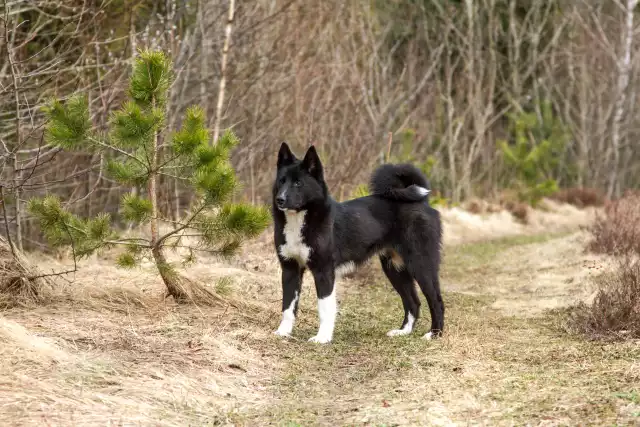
column 223, row 70
column 624, row 70
column 15, row 80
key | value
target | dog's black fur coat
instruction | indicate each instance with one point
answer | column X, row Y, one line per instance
column 395, row 222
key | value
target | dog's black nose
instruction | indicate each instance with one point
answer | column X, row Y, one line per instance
column 280, row 201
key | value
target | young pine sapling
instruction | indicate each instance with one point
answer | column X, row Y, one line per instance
column 136, row 158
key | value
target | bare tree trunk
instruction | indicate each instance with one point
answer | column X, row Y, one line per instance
column 624, row 70
column 170, row 278
column 204, row 55
column 132, row 33
column 153, row 191
column 18, row 208
column 18, row 143
column 134, row 50
column 223, row 70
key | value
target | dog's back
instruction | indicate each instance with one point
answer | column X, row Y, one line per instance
column 397, row 207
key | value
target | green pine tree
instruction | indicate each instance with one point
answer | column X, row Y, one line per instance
column 535, row 153
column 136, row 159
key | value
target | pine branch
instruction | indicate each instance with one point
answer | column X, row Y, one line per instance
column 151, row 78
column 169, row 175
column 118, row 150
column 135, row 208
column 191, row 218
column 132, row 125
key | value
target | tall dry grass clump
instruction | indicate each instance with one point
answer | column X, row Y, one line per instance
column 20, row 282
column 615, row 311
column 617, row 231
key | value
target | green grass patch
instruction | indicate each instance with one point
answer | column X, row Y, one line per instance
column 633, row 396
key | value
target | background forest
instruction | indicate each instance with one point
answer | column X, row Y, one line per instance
column 485, row 95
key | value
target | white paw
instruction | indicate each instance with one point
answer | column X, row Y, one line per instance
column 320, row 339
column 282, row 333
column 428, row 336
column 398, row 332
column 406, row 329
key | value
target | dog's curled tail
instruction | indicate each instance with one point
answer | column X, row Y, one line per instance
column 401, row 182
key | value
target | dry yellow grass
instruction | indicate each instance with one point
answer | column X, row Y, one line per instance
column 107, row 350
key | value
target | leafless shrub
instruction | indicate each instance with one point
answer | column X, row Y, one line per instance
column 474, row 206
column 580, row 197
column 615, row 311
column 617, row 231
column 479, row 206
column 519, row 210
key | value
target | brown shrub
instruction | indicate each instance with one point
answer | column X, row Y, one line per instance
column 474, row 206
column 494, row 208
column 480, row 207
column 580, row 197
column 615, row 311
column 617, row 231
column 509, row 201
column 519, row 210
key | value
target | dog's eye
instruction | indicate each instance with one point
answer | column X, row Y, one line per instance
column 282, row 180
column 297, row 183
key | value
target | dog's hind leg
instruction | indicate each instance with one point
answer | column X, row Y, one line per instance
column 436, row 307
column 424, row 269
column 403, row 283
column 426, row 274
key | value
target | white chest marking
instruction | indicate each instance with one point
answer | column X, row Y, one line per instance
column 294, row 246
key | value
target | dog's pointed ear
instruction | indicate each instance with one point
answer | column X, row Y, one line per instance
column 312, row 162
column 285, row 156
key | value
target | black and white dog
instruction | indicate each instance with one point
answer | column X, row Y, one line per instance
column 313, row 231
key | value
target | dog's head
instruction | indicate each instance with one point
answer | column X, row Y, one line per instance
column 299, row 183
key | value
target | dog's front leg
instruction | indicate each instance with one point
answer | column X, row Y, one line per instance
column 291, row 286
column 327, row 304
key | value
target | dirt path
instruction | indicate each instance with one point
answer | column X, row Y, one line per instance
column 527, row 275
column 111, row 353
column 503, row 360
